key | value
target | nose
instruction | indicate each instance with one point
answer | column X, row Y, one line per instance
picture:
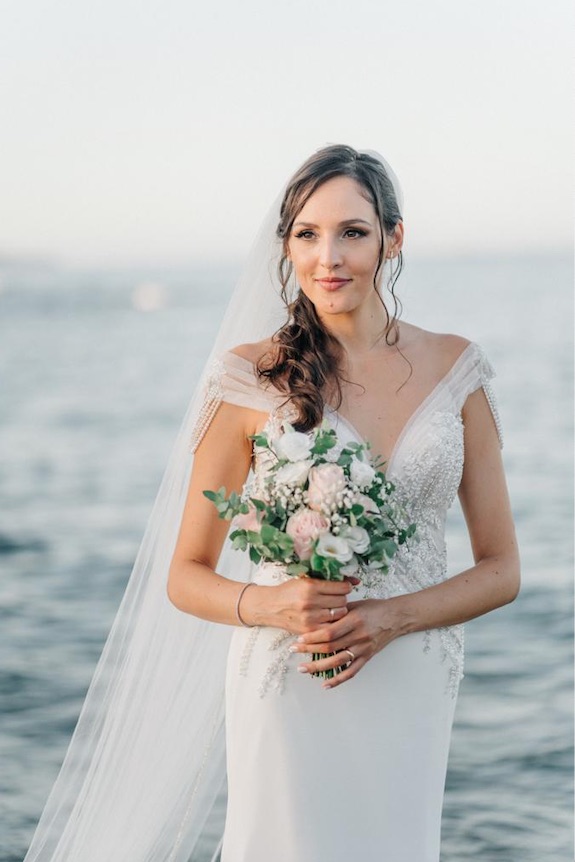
column 330, row 255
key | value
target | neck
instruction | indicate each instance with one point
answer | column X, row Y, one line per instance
column 360, row 330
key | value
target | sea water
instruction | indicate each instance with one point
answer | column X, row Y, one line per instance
column 96, row 371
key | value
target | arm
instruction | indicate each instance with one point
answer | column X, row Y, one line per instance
column 492, row 582
column 223, row 458
column 494, row 579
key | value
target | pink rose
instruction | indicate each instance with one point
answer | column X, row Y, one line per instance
column 304, row 527
column 249, row 521
column 325, row 483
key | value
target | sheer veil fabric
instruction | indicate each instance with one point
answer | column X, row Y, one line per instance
column 147, row 757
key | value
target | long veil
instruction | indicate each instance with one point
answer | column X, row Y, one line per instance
column 147, row 758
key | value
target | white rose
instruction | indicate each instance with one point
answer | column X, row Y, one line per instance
column 333, row 547
column 362, row 474
column 357, row 539
column 292, row 446
column 294, row 473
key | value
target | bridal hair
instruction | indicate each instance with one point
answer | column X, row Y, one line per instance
column 307, row 356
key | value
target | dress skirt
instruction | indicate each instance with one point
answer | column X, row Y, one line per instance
column 355, row 772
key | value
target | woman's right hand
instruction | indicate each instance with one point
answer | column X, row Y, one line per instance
column 298, row 605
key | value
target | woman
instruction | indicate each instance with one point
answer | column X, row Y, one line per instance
column 353, row 766
column 312, row 777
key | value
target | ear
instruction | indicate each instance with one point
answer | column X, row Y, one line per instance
column 396, row 240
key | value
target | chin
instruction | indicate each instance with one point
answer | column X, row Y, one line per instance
column 336, row 305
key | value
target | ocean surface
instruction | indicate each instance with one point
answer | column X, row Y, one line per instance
column 96, row 370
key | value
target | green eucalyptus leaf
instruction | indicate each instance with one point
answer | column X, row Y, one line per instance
column 255, row 557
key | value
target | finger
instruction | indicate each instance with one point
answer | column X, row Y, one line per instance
column 330, row 634
column 330, row 601
column 349, row 672
column 325, row 618
column 332, row 615
column 330, row 662
column 353, row 580
column 327, row 646
column 334, row 588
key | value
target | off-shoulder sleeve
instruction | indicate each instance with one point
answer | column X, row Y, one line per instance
column 476, row 371
column 232, row 379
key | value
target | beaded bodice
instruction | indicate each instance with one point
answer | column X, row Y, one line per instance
column 426, row 468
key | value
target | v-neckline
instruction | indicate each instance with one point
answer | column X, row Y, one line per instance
column 410, row 420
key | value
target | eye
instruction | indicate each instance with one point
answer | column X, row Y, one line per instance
column 355, row 232
column 305, row 234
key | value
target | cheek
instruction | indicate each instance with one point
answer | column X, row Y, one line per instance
column 302, row 262
column 365, row 263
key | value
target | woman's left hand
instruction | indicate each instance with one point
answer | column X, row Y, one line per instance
column 367, row 628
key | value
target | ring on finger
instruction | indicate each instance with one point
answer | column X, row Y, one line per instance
column 332, row 612
column 350, row 654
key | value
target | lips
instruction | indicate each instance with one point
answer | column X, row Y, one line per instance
column 332, row 283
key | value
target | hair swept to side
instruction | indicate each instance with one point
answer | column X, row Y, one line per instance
column 306, row 357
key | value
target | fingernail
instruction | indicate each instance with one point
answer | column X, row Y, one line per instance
column 301, row 639
column 292, row 648
column 302, row 668
column 326, row 685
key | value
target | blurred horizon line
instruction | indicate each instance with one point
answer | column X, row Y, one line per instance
column 20, row 263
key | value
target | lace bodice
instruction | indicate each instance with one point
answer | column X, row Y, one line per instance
column 426, row 466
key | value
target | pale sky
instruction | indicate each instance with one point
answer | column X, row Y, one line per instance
column 159, row 132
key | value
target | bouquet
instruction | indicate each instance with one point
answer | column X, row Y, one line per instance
column 319, row 509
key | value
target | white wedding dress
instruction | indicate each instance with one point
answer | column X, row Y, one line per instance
column 356, row 772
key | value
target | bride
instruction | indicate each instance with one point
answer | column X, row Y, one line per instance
column 354, row 765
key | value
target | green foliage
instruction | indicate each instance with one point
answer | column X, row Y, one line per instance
column 260, row 440
column 325, row 567
column 388, row 527
column 301, row 568
column 325, row 440
column 345, row 458
column 227, row 508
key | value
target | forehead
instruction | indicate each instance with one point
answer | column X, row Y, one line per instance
column 338, row 199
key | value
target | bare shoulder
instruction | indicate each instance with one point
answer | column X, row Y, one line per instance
column 254, row 351
column 438, row 349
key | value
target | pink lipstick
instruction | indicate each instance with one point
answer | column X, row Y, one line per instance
column 332, row 283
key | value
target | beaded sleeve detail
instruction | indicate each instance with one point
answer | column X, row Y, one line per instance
column 213, row 397
column 486, row 374
column 232, row 379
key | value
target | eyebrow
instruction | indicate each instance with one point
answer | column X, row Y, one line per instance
column 341, row 224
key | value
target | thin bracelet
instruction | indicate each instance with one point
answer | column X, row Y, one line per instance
column 242, row 591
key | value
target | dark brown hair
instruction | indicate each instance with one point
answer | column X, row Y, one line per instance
column 306, row 356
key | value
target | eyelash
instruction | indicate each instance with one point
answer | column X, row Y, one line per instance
column 356, row 230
